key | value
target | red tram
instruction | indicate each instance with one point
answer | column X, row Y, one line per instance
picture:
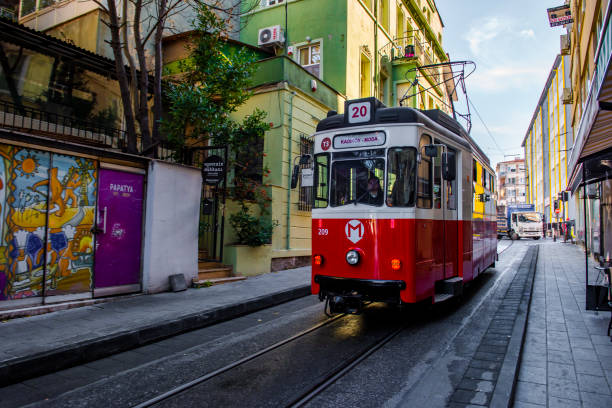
column 404, row 207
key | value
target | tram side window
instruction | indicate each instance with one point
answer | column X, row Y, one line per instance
column 321, row 177
column 437, row 180
column 401, row 171
column 451, row 188
column 424, row 175
column 484, row 178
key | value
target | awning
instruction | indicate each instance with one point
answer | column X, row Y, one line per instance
column 594, row 133
column 593, row 169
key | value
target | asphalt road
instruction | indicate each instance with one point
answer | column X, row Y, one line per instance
column 419, row 367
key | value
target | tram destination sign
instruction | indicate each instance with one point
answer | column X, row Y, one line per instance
column 359, row 140
column 213, row 170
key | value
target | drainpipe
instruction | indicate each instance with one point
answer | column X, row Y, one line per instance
column 375, row 93
column 289, row 161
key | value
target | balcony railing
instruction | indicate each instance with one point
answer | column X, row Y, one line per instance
column 406, row 48
column 61, row 127
column 8, row 14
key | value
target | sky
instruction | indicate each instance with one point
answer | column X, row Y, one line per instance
column 514, row 49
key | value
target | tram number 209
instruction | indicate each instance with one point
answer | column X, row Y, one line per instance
column 359, row 112
column 323, row 231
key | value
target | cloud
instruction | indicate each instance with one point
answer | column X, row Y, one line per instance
column 505, row 77
column 482, row 33
column 493, row 30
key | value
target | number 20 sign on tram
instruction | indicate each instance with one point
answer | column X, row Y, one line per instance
column 403, row 209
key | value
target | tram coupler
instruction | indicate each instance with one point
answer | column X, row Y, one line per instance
column 349, row 304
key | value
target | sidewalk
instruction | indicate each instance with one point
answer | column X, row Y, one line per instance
column 46, row 343
column 567, row 358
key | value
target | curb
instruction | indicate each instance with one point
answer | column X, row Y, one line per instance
column 8, row 314
column 20, row 369
column 503, row 394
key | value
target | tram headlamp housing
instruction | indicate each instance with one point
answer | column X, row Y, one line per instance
column 352, row 257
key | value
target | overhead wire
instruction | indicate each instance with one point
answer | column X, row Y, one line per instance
column 484, row 124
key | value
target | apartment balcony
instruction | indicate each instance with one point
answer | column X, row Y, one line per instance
column 55, row 90
column 60, row 127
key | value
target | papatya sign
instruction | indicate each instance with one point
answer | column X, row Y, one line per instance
column 359, row 140
column 560, row 15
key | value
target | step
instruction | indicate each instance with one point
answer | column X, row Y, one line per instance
column 441, row 297
column 216, row 281
column 214, row 273
column 210, row 265
column 452, row 286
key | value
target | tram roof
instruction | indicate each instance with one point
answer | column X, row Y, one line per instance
column 432, row 118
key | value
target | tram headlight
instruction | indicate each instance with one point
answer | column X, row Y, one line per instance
column 317, row 260
column 352, row 257
column 396, row 264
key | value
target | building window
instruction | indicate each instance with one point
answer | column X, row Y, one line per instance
column 310, row 58
column 382, row 87
column 271, row 2
column 305, row 201
column 383, row 14
column 249, row 162
column 364, row 76
column 30, row 6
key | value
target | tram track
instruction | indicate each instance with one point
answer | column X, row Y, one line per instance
column 312, row 391
column 349, row 365
column 186, row 386
column 503, row 250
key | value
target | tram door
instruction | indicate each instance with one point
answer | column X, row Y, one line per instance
column 451, row 227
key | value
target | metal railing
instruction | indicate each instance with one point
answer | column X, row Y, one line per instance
column 60, row 126
column 8, row 14
column 396, row 50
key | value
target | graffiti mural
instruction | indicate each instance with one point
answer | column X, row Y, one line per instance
column 47, row 206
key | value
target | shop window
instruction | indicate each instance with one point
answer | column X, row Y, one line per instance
column 424, row 175
column 305, row 201
column 310, row 58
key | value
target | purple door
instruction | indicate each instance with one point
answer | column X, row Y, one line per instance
column 119, row 229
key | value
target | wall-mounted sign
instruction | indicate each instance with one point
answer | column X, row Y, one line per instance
column 213, row 170
column 560, row 15
column 307, row 178
column 359, row 140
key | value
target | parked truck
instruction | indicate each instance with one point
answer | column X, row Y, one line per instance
column 519, row 221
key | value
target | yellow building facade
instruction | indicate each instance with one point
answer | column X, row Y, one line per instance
column 546, row 144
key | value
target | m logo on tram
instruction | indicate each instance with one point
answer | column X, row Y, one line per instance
column 354, row 230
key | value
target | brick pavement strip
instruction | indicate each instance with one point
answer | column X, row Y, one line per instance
column 493, row 370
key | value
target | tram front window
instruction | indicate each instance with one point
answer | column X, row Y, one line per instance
column 357, row 182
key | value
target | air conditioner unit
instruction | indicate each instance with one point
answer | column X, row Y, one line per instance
column 270, row 36
column 566, row 96
column 565, row 44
